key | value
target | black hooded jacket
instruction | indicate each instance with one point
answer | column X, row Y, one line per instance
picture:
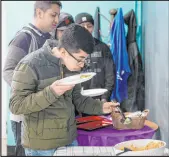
column 136, row 82
column 101, row 62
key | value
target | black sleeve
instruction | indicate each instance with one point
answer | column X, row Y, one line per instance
column 109, row 69
column 109, row 77
column 106, row 51
column 17, row 49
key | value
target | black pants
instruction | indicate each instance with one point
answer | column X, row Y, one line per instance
column 16, row 129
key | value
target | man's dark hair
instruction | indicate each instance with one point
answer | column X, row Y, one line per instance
column 44, row 5
column 75, row 38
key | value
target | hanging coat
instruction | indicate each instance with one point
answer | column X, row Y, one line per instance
column 97, row 24
column 136, row 83
column 120, row 57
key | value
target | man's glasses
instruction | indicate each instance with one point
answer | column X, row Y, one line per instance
column 79, row 62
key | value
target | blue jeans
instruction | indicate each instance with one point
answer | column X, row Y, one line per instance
column 50, row 152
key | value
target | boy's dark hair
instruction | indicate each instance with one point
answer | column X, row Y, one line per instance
column 44, row 5
column 75, row 38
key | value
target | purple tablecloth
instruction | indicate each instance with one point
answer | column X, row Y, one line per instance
column 109, row 136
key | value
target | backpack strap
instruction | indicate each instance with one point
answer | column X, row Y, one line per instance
column 31, row 31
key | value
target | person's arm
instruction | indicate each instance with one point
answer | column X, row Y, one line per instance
column 86, row 104
column 109, row 69
column 16, row 51
column 89, row 105
column 24, row 98
column 109, row 78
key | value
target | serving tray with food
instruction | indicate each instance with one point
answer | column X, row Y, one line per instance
column 141, row 147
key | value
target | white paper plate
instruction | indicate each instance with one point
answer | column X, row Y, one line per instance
column 93, row 92
column 76, row 79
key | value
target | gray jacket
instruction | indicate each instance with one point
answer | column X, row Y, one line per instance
column 27, row 40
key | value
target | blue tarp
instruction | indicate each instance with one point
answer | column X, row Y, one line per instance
column 120, row 57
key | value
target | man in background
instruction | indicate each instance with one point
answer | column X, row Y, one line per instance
column 27, row 40
column 100, row 61
column 65, row 19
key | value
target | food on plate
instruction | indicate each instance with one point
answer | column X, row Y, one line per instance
column 138, row 114
column 127, row 121
column 150, row 145
column 84, row 76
